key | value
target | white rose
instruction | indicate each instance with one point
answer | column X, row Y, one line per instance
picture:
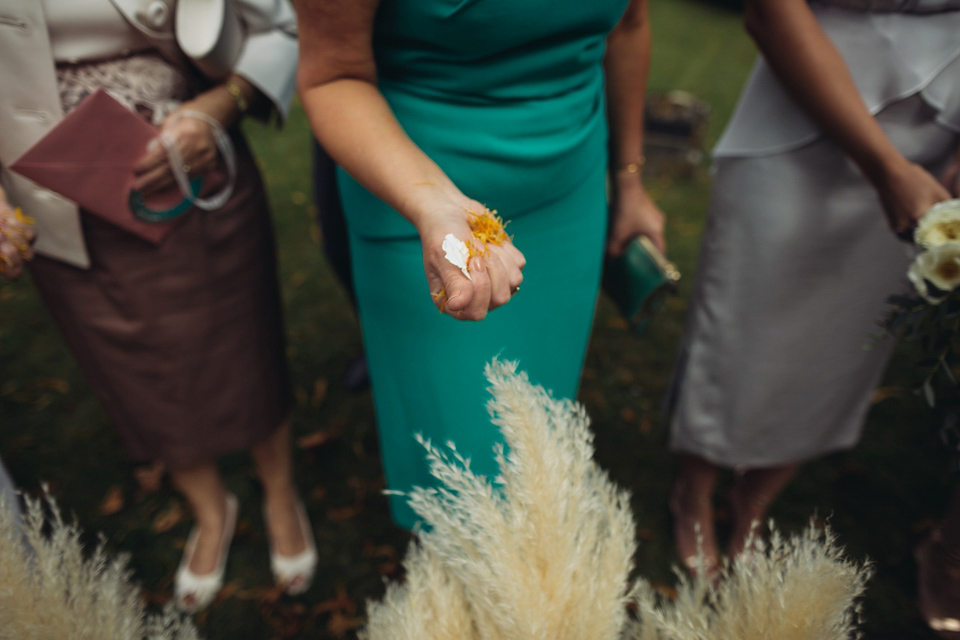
column 939, row 225
column 936, row 272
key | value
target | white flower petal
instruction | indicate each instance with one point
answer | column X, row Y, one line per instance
column 939, row 266
column 456, row 252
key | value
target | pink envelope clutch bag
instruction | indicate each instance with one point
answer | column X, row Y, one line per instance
column 88, row 158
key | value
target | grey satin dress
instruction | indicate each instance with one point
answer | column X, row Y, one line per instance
column 797, row 260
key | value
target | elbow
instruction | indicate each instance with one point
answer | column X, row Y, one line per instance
column 306, row 81
column 754, row 19
column 323, row 72
column 634, row 19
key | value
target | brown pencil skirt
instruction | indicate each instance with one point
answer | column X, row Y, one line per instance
column 182, row 342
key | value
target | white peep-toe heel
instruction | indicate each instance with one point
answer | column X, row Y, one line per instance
column 295, row 573
column 193, row 592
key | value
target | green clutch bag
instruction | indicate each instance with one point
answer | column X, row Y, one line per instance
column 638, row 281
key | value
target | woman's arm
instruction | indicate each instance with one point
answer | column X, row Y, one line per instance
column 815, row 74
column 226, row 103
column 261, row 83
column 626, row 63
column 354, row 123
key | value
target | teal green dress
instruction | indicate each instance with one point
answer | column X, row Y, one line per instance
column 507, row 97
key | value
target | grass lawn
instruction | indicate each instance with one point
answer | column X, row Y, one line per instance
column 880, row 497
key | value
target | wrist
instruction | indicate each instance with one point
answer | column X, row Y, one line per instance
column 887, row 171
column 633, row 166
column 625, row 183
column 880, row 165
column 240, row 98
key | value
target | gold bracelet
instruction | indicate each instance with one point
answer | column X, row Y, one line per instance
column 633, row 167
column 238, row 98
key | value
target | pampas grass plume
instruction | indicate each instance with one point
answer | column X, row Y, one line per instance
column 544, row 552
column 545, row 555
column 49, row 589
column 798, row 588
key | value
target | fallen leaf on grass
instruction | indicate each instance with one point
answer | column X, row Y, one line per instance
column 53, row 384
column 882, row 393
column 646, row 426
column 168, row 518
column 228, row 590
column 341, row 603
column 319, row 392
column 150, row 477
column 617, row 322
column 386, row 551
column 318, row 438
column 665, row 589
column 343, row 514
column 927, row 524
column 264, row 595
column 339, row 624
column 112, row 502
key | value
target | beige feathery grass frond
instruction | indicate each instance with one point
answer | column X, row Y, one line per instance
column 429, row 605
column 798, row 588
column 49, row 589
column 546, row 554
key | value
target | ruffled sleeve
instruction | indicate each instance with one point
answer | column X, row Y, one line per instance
column 891, row 56
column 269, row 56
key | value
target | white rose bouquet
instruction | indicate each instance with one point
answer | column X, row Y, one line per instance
column 931, row 314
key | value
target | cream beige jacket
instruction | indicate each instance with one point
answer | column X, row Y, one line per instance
column 30, row 104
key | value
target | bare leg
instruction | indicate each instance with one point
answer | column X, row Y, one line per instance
column 752, row 494
column 938, row 568
column 274, row 461
column 208, row 500
column 691, row 502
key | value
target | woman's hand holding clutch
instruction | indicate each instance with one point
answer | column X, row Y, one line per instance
column 191, row 127
column 633, row 213
column 195, row 140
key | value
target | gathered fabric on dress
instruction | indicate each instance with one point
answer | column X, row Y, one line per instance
column 508, row 99
column 782, row 349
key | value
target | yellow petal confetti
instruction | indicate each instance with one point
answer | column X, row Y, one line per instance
column 15, row 231
column 488, row 228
